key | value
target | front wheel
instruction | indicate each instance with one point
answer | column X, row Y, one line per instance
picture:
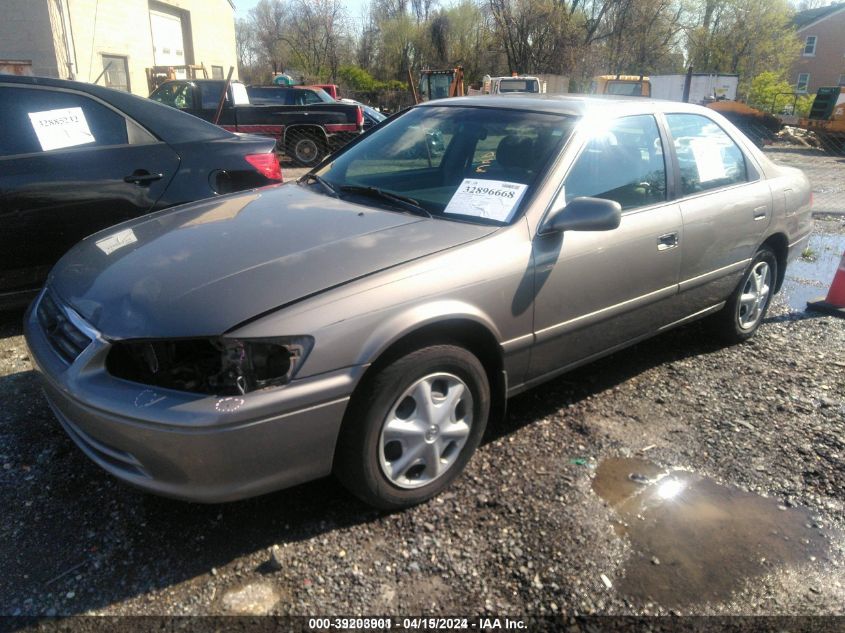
column 744, row 311
column 413, row 427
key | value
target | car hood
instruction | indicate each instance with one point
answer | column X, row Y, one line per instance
column 201, row 269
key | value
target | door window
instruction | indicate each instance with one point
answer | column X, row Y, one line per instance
column 176, row 95
column 37, row 120
column 707, row 157
column 623, row 162
column 210, row 93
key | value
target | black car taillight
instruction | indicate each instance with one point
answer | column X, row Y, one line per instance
column 266, row 164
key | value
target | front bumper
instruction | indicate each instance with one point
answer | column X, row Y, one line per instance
column 191, row 446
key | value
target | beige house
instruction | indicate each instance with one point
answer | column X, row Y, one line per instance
column 113, row 42
column 822, row 60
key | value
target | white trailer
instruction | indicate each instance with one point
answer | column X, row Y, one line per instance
column 704, row 86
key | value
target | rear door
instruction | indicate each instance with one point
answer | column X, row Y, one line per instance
column 70, row 165
column 726, row 207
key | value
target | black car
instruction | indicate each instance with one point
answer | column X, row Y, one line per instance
column 76, row 158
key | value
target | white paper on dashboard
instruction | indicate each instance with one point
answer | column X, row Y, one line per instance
column 66, row 127
column 493, row 199
column 708, row 159
column 117, row 240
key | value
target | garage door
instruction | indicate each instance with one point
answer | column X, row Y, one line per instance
column 168, row 46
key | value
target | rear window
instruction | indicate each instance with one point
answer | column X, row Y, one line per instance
column 261, row 95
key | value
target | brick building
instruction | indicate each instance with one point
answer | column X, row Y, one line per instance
column 80, row 39
column 822, row 60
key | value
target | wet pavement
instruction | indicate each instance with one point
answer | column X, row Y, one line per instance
column 809, row 278
column 694, row 540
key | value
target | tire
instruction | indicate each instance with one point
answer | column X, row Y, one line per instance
column 747, row 306
column 412, row 428
column 306, row 149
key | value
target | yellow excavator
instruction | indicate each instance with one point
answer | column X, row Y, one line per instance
column 827, row 119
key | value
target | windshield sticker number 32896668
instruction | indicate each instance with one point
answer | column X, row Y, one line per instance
column 493, row 199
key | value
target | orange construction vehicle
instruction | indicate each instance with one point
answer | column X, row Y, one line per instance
column 827, row 119
column 437, row 84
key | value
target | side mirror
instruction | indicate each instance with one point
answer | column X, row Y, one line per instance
column 584, row 214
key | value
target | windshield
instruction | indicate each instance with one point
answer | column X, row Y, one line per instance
column 375, row 114
column 519, row 85
column 457, row 163
column 625, row 88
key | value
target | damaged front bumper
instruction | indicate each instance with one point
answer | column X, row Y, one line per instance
column 184, row 445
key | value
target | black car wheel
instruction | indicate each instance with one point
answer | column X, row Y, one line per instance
column 413, row 427
column 306, row 149
column 744, row 311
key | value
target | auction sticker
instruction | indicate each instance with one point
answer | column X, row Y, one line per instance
column 66, row 127
column 493, row 199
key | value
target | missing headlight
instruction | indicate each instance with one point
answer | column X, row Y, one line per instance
column 210, row 366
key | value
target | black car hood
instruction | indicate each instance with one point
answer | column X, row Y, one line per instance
column 203, row 268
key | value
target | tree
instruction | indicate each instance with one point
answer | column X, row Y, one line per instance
column 314, row 34
column 742, row 36
column 770, row 91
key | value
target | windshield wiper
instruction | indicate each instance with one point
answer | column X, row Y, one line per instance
column 409, row 204
column 325, row 183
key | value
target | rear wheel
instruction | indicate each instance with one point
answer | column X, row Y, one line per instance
column 306, row 149
column 742, row 315
column 412, row 429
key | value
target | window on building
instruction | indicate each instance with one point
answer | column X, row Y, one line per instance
column 116, row 72
column 803, row 82
column 217, row 72
column 707, row 157
column 842, row 80
column 810, row 46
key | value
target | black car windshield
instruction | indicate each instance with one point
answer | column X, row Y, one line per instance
column 457, row 163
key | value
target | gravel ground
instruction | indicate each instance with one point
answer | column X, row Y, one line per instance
column 522, row 532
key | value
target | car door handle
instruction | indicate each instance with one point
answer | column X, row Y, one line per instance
column 667, row 241
column 761, row 212
column 142, row 177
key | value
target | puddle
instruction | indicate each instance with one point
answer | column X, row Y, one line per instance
column 696, row 541
column 808, row 280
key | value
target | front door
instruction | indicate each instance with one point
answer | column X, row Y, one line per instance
column 597, row 290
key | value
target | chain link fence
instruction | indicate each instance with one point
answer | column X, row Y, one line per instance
column 826, row 172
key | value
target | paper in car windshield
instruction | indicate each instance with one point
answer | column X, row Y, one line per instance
column 492, row 199
column 66, row 127
column 117, row 240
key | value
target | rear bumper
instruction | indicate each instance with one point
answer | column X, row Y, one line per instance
column 188, row 446
column 797, row 247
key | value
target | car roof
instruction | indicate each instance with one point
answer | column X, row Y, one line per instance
column 571, row 104
column 168, row 124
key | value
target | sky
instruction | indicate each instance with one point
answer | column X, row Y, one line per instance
column 354, row 8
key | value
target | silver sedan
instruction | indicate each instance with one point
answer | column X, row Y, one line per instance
column 371, row 318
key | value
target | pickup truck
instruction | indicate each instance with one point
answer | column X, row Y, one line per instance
column 306, row 131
